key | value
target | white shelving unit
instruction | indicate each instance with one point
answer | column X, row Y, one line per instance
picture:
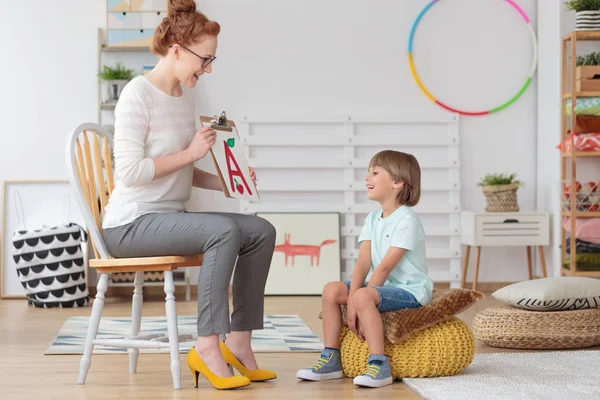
column 312, row 163
column 105, row 51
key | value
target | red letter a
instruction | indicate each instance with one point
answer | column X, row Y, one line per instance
column 229, row 157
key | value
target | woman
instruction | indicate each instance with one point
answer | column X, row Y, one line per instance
column 155, row 147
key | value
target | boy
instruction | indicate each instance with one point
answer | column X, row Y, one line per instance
column 392, row 246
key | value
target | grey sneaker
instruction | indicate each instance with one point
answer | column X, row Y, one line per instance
column 327, row 367
column 378, row 373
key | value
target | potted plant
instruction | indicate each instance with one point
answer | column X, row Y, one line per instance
column 500, row 191
column 587, row 13
column 588, row 72
column 114, row 81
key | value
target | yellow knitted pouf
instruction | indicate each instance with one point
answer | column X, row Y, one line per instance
column 441, row 350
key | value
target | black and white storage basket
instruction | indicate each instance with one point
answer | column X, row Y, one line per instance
column 588, row 20
column 50, row 263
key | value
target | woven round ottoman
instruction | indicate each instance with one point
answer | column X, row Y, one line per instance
column 443, row 349
column 515, row 328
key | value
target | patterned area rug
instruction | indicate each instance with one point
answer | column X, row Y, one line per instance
column 557, row 375
column 281, row 333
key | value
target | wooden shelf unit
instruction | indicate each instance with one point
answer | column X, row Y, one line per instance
column 568, row 84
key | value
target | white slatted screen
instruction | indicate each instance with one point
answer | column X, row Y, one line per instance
column 317, row 164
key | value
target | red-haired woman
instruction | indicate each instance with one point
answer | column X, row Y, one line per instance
column 155, row 147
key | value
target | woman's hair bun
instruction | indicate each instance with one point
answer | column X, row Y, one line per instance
column 182, row 25
column 181, row 6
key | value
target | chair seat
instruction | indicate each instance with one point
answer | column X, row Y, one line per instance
column 145, row 264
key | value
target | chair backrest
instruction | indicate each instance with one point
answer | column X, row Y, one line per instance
column 89, row 157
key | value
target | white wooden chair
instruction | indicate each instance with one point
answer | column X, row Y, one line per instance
column 90, row 168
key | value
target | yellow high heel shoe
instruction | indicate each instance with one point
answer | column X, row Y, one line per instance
column 255, row 375
column 198, row 367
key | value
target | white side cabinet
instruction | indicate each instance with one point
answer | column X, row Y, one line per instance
column 503, row 229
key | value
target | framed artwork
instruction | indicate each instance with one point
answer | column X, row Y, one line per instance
column 230, row 160
column 307, row 252
column 37, row 212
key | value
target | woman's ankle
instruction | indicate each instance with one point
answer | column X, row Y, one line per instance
column 241, row 341
column 207, row 344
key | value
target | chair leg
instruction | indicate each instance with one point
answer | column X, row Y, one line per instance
column 97, row 308
column 171, row 311
column 136, row 318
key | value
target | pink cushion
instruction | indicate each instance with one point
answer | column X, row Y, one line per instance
column 587, row 229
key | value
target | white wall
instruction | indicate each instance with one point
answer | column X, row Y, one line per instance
column 548, row 114
column 313, row 57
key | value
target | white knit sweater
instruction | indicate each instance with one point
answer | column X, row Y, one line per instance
column 148, row 124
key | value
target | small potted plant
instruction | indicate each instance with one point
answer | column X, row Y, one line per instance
column 500, row 191
column 588, row 72
column 587, row 13
column 114, row 81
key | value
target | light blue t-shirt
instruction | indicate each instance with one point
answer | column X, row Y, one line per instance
column 401, row 229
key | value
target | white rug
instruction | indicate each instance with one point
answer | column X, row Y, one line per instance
column 281, row 333
column 568, row 375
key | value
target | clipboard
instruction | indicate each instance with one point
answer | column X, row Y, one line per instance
column 246, row 188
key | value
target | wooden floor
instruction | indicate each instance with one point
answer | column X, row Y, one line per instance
column 25, row 372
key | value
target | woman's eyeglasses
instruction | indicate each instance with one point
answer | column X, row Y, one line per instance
column 205, row 60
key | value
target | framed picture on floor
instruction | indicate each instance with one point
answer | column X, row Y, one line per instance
column 40, row 242
column 307, row 252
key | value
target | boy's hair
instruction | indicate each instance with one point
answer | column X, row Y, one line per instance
column 402, row 167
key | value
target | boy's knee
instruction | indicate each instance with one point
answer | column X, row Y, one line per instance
column 333, row 291
column 364, row 297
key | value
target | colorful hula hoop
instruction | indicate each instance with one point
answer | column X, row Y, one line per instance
column 493, row 110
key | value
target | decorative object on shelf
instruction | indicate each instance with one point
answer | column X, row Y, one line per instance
column 464, row 112
column 587, row 13
column 230, row 160
column 131, row 23
column 588, row 72
column 585, row 106
column 114, row 80
column 45, row 249
column 589, row 142
column 580, row 212
column 500, row 191
column 587, row 196
column 306, row 258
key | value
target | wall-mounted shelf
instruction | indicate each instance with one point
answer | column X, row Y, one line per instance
column 575, row 204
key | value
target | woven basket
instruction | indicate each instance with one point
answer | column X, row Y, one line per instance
column 501, row 198
column 514, row 328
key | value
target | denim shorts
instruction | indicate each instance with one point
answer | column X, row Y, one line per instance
column 392, row 298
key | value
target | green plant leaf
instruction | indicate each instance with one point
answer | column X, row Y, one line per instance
column 499, row 179
column 582, row 5
column 588, row 59
column 119, row 72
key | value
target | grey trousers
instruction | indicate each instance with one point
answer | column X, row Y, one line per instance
column 222, row 238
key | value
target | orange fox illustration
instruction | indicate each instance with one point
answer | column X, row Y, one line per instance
column 293, row 250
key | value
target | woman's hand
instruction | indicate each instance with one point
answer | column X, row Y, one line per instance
column 253, row 175
column 201, row 143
